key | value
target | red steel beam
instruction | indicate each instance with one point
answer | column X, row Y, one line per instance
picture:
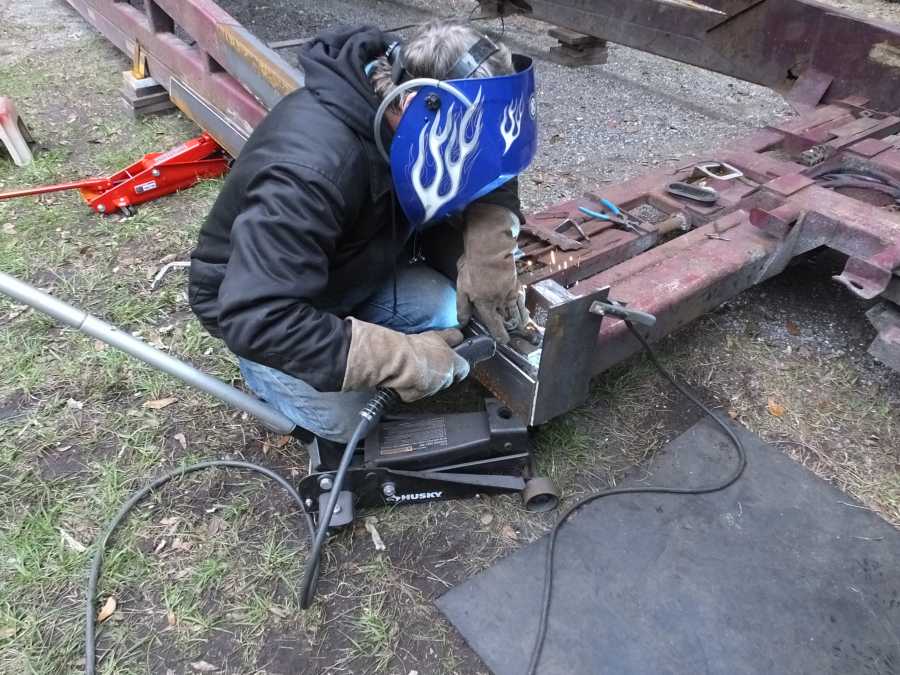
column 225, row 80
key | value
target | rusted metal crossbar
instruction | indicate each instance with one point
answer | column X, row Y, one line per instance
column 803, row 49
column 778, row 209
column 830, row 177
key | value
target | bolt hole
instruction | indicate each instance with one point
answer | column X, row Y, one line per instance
column 856, row 284
column 504, row 413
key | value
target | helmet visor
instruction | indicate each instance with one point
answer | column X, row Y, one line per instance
column 461, row 139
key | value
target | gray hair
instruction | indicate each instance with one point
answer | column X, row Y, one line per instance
column 433, row 50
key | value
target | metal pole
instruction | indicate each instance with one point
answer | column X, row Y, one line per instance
column 67, row 314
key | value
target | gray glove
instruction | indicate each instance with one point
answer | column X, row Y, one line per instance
column 415, row 366
column 487, row 283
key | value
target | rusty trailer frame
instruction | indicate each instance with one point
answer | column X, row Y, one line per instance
column 778, row 209
column 216, row 71
column 786, row 200
column 786, row 45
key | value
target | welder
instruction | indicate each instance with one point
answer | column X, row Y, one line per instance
column 363, row 224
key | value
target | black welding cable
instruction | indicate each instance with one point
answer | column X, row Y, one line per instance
column 369, row 417
column 311, row 571
column 551, row 544
column 90, row 645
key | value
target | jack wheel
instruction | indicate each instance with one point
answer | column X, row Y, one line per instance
column 540, row 495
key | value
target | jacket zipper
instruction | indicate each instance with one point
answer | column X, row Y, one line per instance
column 417, row 255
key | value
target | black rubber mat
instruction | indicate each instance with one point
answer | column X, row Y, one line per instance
column 781, row 573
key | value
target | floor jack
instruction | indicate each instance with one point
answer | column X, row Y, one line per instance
column 155, row 175
column 423, row 458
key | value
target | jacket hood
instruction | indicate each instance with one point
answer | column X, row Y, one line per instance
column 334, row 67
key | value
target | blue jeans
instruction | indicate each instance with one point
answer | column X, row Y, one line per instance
column 426, row 300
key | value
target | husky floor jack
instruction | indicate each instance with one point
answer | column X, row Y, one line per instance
column 442, row 458
column 421, row 458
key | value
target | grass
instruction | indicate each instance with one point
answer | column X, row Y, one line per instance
column 79, row 442
column 209, row 567
column 375, row 633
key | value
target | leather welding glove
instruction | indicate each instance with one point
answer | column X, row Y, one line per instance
column 487, row 283
column 415, row 366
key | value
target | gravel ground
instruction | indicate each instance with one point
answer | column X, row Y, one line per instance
column 54, row 21
column 882, row 10
column 207, row 573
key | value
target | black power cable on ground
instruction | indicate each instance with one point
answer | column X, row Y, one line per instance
column 90, row 640
column 369, row 417
column 554, row 534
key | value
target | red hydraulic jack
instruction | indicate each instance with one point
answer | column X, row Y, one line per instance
column 157, row 174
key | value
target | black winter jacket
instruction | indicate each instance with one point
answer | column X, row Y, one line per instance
column 305, row 227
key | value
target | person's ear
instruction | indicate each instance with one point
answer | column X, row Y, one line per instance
column 392, row 117
column 407, row 99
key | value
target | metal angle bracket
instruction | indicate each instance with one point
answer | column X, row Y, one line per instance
column 885, row 317
column 870, row 277
column 560, row 380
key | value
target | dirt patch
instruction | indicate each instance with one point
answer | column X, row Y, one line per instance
column 13, row 405
column 65, row 462
column 53, row 22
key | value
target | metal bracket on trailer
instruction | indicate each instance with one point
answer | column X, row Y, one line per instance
column 557, row 377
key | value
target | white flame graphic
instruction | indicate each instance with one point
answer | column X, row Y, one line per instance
column 462, row 142
column 511, row 126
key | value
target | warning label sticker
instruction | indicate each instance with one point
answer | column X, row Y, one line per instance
column 413, row 435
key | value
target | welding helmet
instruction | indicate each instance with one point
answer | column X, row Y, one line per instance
column 459, row 138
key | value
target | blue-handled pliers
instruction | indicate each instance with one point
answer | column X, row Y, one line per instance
column 616, row 215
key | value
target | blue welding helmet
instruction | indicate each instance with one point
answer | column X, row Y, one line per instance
column 459, row 139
